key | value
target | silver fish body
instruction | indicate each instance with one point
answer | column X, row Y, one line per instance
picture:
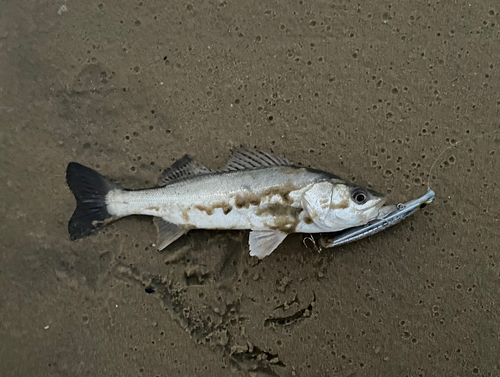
column 263, row 199
column 256, row 191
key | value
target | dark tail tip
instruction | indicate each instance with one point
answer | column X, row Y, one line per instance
column 90, row 190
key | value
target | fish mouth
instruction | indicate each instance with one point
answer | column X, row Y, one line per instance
column 385, row 210
column 381, row 201
column 377, row 210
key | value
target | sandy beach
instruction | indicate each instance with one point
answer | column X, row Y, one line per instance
column 370, row 91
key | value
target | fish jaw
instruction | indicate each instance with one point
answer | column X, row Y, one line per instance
column 375, row 212
column 385, row 210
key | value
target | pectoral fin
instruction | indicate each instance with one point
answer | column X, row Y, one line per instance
column 167, row 232
column 264, row 242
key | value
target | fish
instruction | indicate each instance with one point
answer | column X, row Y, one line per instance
column 399, row 214
column 255, row 190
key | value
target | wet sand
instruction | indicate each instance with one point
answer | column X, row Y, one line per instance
column 371, row 91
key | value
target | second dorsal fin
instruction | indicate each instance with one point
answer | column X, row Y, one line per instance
column 182, row 169
column 243, row 158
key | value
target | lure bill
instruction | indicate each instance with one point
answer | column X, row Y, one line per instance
column 375, row 226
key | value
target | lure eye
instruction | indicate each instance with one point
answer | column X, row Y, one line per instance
column 359, row 196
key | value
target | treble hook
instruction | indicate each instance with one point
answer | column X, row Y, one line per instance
column 311, row 238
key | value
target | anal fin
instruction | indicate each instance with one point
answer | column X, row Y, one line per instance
column 264, row 242
column 167, row 232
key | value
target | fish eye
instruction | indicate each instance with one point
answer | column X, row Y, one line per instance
column 360, row 196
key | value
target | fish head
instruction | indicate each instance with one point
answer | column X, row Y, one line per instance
column 338, row 205
column 364, row 205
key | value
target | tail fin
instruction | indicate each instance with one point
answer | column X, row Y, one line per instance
column 90, row 190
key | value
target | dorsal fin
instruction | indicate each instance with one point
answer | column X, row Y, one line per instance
column 182, row 169
column 243, row 158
